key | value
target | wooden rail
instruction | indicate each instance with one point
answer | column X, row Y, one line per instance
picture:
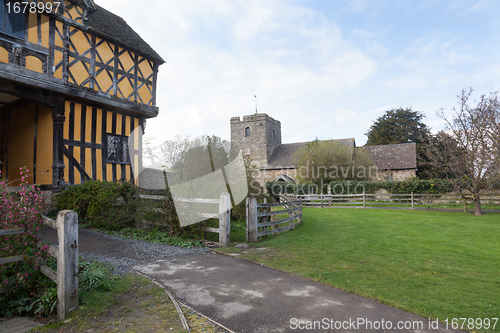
column 412, row 200
column 260, row 220
column 66, row 254
column 224, row 215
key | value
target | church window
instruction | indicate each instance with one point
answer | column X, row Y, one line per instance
column 247, row 132
column 12, row 20
column 117, row 149
column 274, row 134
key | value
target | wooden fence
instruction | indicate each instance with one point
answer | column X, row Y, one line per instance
column 66, row 254
column 408, row 201
column 224, row 215
column 260, row 218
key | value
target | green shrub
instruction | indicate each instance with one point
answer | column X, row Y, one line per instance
column 114, row 206
column 106, row 205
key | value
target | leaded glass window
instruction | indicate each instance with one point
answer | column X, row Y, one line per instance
column 117, row 149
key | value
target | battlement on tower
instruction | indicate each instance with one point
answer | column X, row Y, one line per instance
column 255, row 117
column 256, row 136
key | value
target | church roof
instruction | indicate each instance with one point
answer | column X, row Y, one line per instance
column 283, row 155
column 386, row 157
column 394, row 157
column 112, row 26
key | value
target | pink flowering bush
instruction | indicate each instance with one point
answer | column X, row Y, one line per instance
column 24, row 280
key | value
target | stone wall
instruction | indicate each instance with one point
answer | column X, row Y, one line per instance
column 264, row 135
column 263, row 175
column 394, row 175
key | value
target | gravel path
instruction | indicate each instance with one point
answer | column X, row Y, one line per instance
column 120, row 252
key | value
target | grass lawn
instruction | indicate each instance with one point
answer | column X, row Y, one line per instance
column 435, row 264
column 134, row 304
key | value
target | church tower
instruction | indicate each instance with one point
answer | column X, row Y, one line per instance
column 256, row 136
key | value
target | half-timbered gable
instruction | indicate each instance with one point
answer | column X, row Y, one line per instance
column 75, row 82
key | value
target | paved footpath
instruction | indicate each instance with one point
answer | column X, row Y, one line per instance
column 247, row 297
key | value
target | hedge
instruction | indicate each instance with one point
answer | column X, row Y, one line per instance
column 418, row 186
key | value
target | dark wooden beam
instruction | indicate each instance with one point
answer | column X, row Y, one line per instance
column 77, row 165
column 89, row 145
column 93, row 135
column 57, row 146
column 83, row 128
column 35, row 139
column 104, row 142
column 40, row 88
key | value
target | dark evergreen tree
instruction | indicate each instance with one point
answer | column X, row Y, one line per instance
column 402, row 126
column 398, row 126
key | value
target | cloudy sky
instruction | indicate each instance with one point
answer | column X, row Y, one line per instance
column 325, row 69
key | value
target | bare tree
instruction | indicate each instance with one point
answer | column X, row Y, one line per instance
column 189, row 158
column 468, row 155
column 324, row 161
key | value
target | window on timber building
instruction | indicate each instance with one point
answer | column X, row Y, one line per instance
column 12, row 18
column 247, row 132
column 117, row 149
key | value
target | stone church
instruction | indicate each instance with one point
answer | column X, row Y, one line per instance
column 259, row 137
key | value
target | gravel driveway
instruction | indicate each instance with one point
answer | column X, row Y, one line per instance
column 121, row 253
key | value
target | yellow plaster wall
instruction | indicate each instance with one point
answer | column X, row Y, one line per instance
column 119, row 124
column 33, row 28
column 57, row 39
column 21, row 141
column 145, row 94
column 58, row 57
column 45, row 30
column 66, row 169
column 4, row 55
column 78, row 71
column 44, row 146
column 98, row 138
column 33, row 35
column 79, row 43
column 34, row 64
column 78, row 118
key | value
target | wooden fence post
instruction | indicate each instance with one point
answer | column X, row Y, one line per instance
column 252, row 226
column 411, row 200
column 67, row 263
column 225, row 219
column 321, row 199
column 290, row 214
column 364, row 199
column 301, row 206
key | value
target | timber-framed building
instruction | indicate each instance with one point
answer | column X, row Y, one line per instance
column 75, row 83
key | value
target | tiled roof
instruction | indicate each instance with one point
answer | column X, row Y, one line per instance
column 394, row 157
column 112, row 26
column 283, row 155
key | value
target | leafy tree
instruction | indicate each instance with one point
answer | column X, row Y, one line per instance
column 469, row 156
column 321, row 162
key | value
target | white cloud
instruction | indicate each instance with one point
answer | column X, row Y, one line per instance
column 317, row 74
